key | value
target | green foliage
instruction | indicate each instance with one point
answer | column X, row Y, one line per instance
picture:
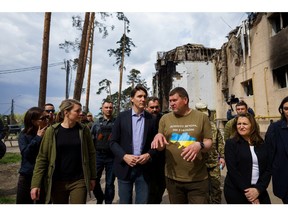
column 105, row 86
column 134, row 78
column 10, row 157
column 7, row 200
column 117, row 53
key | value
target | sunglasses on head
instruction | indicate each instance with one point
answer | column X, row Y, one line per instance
column 50, row 111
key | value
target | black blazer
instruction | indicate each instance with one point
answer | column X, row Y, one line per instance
column 277, row 139
column 239, row 171
column 121, row 142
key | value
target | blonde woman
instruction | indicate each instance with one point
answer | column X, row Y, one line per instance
column 66, row 161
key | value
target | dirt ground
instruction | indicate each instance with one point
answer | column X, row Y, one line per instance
column 9, row 175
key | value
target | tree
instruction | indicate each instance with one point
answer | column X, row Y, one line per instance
column 134, row 78
column 44, row 63
column 67, row 45
column 81, row 70
column 105, row 85
column 119, row 53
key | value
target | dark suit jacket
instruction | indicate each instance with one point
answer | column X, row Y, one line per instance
column 277, row 138
column 239, row 171
column 121, row 143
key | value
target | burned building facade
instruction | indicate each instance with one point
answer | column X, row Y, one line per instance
column 189, row 66
column 252, row 65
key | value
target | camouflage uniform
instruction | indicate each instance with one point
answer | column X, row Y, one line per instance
column 216, row 151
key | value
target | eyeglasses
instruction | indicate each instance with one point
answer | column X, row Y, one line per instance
column 285, row 108
column 44, row 118
column 50, row 111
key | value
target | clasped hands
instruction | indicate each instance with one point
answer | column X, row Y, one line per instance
column 133, row 160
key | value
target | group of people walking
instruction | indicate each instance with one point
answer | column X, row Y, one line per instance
column 147, row 152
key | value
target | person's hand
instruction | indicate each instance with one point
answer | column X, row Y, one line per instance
column 41, row 131
column 35, row 193
column 143, row 158
column 159, row 142
column 131, row 160
column 92, row 184
column 222, row 161
column 256, row 201
column 251, row 194
column 190, row 152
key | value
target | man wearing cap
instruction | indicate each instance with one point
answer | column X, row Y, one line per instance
column 215, row 158
column 90, row 119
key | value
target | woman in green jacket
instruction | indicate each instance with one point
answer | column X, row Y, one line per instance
column 66, row 163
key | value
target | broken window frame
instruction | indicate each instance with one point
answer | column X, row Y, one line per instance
column 248, row 87
column 280, row 76
column 278, row 22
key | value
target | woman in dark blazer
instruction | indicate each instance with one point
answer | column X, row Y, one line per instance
column 248, row 164
column 277, row 138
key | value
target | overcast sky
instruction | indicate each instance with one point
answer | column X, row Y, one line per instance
column 21, row 47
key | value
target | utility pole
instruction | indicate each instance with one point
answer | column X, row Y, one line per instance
column 67, row 67
column 44, row 63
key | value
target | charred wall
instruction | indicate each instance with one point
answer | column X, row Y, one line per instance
column 279, row 49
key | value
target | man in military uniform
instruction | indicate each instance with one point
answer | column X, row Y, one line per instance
column 215, row 158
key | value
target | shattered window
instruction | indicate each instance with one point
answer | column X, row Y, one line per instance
column 278, row 22
column 280, row 76
column 248, row 87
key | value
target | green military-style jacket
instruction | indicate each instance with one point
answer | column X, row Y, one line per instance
column 45, row 162
column 217, row 148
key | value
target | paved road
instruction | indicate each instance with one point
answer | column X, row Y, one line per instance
column 92, row 200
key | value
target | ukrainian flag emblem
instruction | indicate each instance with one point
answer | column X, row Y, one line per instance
column 183, row 139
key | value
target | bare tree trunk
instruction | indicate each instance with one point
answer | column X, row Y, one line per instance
column 91, row 39
column 121, row 68
column 80, row 70
column 44, row 64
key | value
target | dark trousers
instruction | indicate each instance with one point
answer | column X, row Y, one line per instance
column 104, row 160
column 157, row 182
column 23, row 191
column 187, row 192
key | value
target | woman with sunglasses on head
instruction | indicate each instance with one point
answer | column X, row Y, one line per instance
column 35, row 124
column 67, row 159
column 248, row 164
column 277, row 138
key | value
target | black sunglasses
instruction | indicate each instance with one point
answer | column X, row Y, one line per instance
column 44, row 118
column 50, row 111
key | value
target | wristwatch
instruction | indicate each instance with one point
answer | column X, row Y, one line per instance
column 202, row 145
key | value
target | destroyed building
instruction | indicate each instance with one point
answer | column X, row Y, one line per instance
column 252, row 65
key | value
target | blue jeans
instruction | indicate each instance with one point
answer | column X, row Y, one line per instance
column 104, row 161
column 125, row 188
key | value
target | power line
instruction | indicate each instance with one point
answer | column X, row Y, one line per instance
column 19, row 70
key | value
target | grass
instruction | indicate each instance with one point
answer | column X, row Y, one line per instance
column 7, row 200
column 10, row 157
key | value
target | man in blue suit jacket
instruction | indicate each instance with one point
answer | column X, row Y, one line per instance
column 132, row 134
